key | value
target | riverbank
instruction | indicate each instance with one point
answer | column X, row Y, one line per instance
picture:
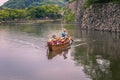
column 29, row 21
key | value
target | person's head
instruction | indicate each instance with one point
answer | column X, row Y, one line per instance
column 54, row 36
column 64, row 30
column 68, row 35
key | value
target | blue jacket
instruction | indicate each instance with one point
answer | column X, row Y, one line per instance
column 64, row 34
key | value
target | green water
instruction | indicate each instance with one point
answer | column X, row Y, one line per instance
column 94, row 55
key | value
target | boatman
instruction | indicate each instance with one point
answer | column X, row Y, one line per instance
column 64, row 33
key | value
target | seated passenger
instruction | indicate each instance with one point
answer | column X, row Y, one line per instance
column 54, row 40
column 49, row 41
column 61, row 40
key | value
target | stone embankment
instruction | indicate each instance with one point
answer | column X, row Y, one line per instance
column 105, row 17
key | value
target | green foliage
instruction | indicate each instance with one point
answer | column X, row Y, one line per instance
column 106, row 1
column 8, row 14
column 29, row 3
column 90, row 2
column 50, row 11
column 39, row 12
column 69, row 16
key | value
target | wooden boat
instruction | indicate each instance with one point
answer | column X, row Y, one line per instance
column 59, row 46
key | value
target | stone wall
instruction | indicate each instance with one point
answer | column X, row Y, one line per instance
column 77, row 7
column 79, row 10
column 72, row 6
column 105, row 17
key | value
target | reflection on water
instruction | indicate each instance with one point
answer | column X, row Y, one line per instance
column 94, row 55
column 99, row 58
column 63, row 52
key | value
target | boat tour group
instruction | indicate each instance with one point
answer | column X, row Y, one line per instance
column 56, row 43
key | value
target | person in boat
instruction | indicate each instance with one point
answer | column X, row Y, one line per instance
column 61, row 40
column 49, row 41
column 66, row 37
column 64, row 33
column 54, row 40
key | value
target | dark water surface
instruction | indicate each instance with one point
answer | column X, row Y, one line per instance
column 94, row 55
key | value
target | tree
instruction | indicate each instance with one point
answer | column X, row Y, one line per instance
column 50, row 11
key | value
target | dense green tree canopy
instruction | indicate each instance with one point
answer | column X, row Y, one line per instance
column 9, row 14
column 38, row 12
column 49, row 11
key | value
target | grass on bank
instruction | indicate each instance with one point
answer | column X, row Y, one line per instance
column 90, row 2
